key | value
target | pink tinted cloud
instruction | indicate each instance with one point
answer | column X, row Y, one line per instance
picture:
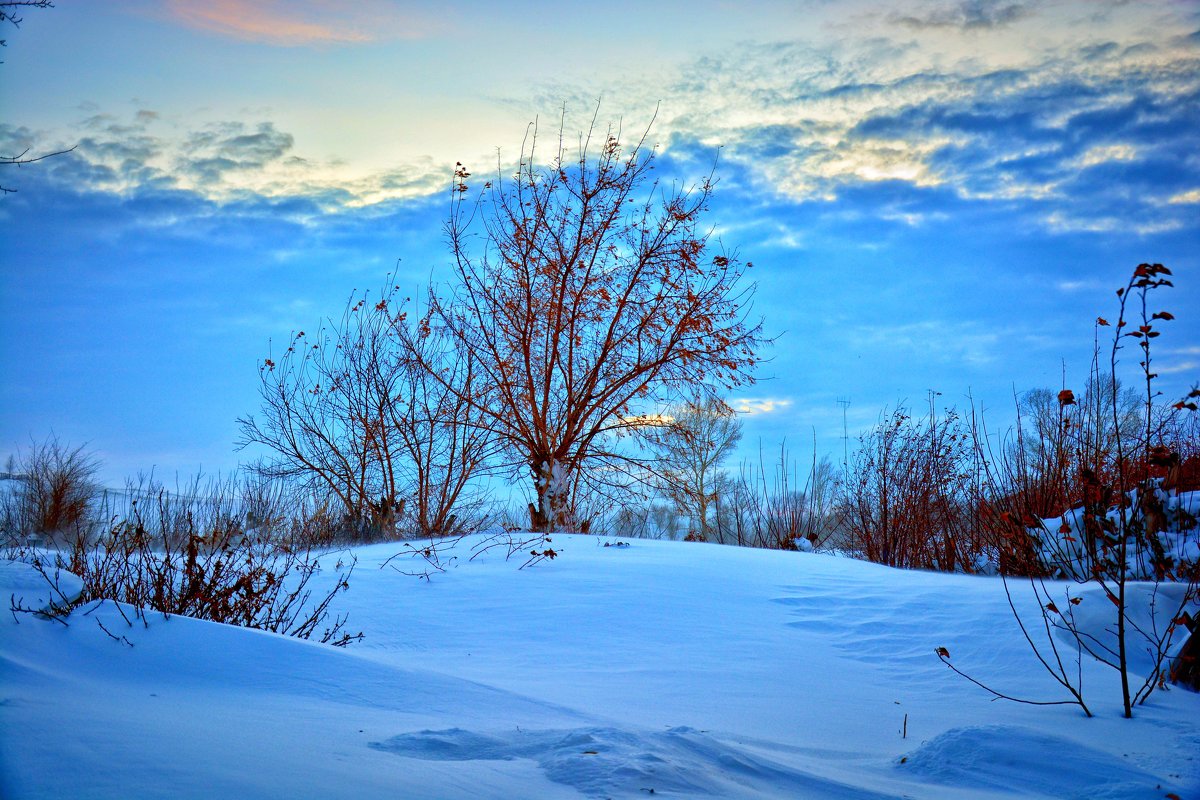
column 299, row 23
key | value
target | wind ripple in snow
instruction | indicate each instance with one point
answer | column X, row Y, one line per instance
column 870, row 627
column 608, row 762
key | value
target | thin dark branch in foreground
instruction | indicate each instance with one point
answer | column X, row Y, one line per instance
column 1002, row 696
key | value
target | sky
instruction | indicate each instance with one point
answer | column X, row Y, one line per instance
column 937, row 196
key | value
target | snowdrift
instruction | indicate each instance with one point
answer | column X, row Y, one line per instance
column 682, row 669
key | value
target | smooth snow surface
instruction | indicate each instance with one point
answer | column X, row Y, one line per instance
column 685, row 669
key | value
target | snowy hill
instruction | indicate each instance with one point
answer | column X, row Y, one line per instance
column 672, row 669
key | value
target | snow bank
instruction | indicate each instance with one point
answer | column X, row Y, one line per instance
column 694, row 670
column 25, row 587
column 1065, row 545
column 1000, row 757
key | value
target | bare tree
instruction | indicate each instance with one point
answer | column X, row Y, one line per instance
column 373, row 413
column 447, row 442
column 9, row 9
column 689, row 445
column 1058, row 440
column 589, row 295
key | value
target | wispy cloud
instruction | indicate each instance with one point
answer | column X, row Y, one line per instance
column 220, row 161
column 1182, row 366
column 1180, row 361
column 1082, row 136
column 935, row 340
column 754, row 406
column 1079, row 286
column 965, row 15
column 304, row 22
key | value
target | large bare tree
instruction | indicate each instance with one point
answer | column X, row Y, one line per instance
column 590, row 294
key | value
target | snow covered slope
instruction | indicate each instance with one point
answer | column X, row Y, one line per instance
column 688, row 669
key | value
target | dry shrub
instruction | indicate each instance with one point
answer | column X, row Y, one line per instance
column 778, row 510
column 1113, row 463
column 909, row 493
column 54, row 485
column 195, row 554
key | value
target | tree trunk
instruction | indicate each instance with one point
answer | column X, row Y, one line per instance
column 551, row 480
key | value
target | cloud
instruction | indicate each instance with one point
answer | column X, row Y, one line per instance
column 220, row 161
column 966, row 15
column 1082, row 135
column 648, row 420
column 257, row 21
column 1183, row 366
column 754, row 406
column 1081, row 141
column 210, row 154
column 960, row 342
column 1079, row 286
column 305, row 22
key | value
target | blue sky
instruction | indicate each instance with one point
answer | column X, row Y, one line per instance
column 936, row 195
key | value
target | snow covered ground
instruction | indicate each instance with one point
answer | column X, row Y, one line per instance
column 665, row 669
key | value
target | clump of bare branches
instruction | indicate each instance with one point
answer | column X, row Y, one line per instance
column 1125, row 537
column 368, row 412
column 51, row 492
column 210, row 553
column 777, row 508
column 908, row 494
